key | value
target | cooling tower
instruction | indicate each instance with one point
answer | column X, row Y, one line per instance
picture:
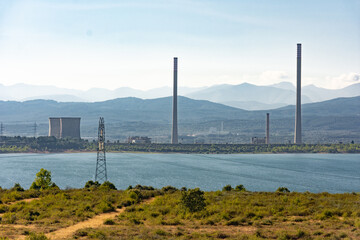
column 64, row 127
column 54, row 127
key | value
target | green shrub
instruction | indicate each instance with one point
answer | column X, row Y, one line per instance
column 92, row 184
column 227, row 188
column 108, row 185
column 240, row 188
column 136, row 195
column 109, row 222
column 140, row 187
column 193, row 200
column 34, row 236
column 169, row 189
column 17, row 188
column 105, row 207
column 283, row 190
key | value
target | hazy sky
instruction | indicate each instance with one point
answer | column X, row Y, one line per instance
column 111, row 44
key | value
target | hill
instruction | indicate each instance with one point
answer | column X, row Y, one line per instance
column 199, row 120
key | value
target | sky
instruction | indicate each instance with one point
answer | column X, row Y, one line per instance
column 131, row 43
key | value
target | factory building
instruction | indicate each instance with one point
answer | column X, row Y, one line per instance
column 64, row 127
column 139, row 140
column 256, row 140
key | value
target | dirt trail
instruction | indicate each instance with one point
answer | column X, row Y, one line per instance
column 22, row 200
column 97, row 221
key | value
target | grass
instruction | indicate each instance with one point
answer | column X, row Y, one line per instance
column 227, row 215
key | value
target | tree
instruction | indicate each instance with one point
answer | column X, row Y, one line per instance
column 193, row 200
column 42, row 180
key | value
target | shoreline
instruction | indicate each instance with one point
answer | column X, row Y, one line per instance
column 186, row 153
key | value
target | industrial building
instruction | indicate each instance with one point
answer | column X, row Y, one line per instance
column 256, row 140
column 139, row 140
column 64, row 127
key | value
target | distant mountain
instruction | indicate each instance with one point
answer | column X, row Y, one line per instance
column 244, row 96
column 247, row 93
column 317, row 94
column 24, row 92
column 58, row 98
column 121, row 110
column 330, row 121
column 159, row 110
column 254, row 105
column 284, row 85
column 335, row 107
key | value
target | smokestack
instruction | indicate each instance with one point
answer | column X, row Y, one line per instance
column 267, row 139
column 297, row 136
column 174, row 135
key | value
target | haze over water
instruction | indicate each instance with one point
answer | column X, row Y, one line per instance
column 333, row 173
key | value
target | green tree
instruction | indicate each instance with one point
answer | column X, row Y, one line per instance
column 42, row 180
column 193, row 200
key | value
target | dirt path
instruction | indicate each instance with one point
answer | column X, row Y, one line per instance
column 22, row 200
column 97, row 221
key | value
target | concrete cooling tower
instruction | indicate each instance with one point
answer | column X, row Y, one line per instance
column 64, row 127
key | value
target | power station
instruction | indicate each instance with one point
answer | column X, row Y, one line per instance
column 64, row 127
column 174, row 134
column 297, row 135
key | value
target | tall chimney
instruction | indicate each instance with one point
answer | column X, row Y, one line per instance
column 297, row 136
column 174, row 135
column 267, row 139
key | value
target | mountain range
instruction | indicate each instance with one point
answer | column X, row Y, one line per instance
column 332, row 120
column 245, row 96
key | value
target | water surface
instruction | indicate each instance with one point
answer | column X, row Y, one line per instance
column 257, row 172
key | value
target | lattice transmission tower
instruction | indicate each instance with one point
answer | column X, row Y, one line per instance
column 101, row 173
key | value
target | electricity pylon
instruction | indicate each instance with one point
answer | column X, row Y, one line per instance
column 101, row 173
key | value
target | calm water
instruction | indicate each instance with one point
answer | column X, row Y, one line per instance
column 260, row 172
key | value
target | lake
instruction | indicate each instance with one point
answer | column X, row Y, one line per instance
column 335, row 173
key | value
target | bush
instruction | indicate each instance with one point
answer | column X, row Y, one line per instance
column 34, row 236
column 92, row 184
column 227, row 188
column 283, row 190
column 105, row 207
column 169, row 189
column 240, row 188
column 108, row 185
column 140, row 187
column 17, row 188
column 109, row 222
column 193, row 200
